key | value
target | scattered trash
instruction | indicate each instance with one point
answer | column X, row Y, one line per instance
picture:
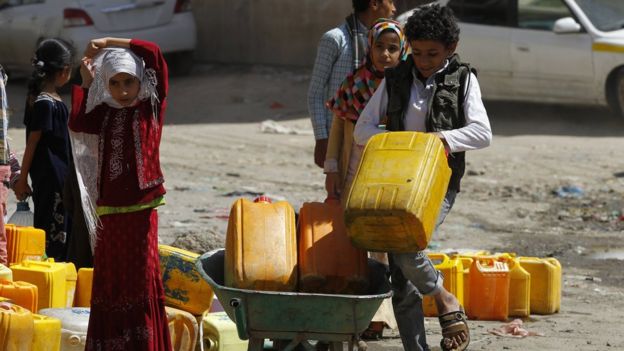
column 243, row 193
column 181, row 188
column 569, row 191
column 513, row 329
column 271, row 127
column 235, row 175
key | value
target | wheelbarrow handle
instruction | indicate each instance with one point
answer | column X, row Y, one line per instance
column 241, row 319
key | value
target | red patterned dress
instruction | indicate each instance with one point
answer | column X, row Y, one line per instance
column 127, row 304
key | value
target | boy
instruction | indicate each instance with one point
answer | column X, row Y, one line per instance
column 340, row 51
column 431, row 92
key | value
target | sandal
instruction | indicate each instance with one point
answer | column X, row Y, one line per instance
column 453, row 324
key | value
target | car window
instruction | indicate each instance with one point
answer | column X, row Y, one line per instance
column 487, row 12
column 606, row 15
column 541, row 14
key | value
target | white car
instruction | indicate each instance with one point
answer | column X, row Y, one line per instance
column 24, row 23
column 562, row 51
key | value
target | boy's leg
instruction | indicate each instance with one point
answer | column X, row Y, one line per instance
column 5, row 172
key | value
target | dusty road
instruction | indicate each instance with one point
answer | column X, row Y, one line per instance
column 214, row 151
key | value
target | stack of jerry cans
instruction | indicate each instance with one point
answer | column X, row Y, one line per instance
column 545, row 283
column 328, row 261
column 397, row 192
column 182, row 329
column 24, row 243
column 47, row 333
column 261, row 246
column 452, row 270
column 184, row 287
column 16, row 328
column 74, row 325
column 50, row 279
column 220, row 333
column 22, row 294
column 82, row 297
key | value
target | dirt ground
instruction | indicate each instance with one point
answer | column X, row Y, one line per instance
column 551, row 184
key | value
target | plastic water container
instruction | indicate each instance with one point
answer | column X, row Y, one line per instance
column 20, row 293
column 452, row 270
column 220, row 333
column 82, row 297
column 397, row 192
column 489, row 289
column 5, row 273
column 16, row 328
column 47, row 333
column 519, row 287
column 184, row 287
column 261, row 246
column 71, row 277
column 49, row 277
column 74, row 325
column 24, row 243
column 545, row 283
column 183, row 329
column 328, row 261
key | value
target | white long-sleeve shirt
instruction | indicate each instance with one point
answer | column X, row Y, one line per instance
column 476, row 134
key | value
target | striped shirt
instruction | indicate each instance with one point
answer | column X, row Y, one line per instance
column 334, row 61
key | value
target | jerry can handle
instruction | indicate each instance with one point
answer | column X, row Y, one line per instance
column 438, row 256
column 241, row 320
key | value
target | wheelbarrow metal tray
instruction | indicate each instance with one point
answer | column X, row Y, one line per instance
column 283, row 312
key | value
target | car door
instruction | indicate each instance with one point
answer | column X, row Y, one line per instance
column 128, row 15
column 548, row 66
column 484, row 42
column 25, row 29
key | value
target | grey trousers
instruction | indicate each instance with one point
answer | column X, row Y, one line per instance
column 413, row 275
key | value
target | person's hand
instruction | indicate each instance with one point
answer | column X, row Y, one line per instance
column 87, row 72
column 332, row 185
column 443, row 139
column 320, row 149
column 21, row 189
column 94, row 46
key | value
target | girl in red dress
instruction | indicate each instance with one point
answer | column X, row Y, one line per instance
column 116, row 123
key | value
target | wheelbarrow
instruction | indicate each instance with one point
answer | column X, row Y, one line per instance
column 290, row 318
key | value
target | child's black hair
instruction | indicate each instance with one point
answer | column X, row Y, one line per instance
column 51, row 57
column 432, row 22
column 360, row 5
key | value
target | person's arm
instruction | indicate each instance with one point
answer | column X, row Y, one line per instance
column 334, row 149
column 15, row 169
column 477, row 133
column 21, row 188
column 154, row 59
column 368, row 123
column 327, row 54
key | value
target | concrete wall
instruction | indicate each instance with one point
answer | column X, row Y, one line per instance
column 281, row 32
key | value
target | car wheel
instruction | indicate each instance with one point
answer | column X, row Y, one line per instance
column 615, row 93
column 180, row 63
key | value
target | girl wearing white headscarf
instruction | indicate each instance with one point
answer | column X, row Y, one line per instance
column 116, row 124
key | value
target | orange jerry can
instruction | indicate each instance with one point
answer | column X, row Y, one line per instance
column 24, row 243
column 82, row 297
column 261, row 246
column 452, row 270
column 545, row 283
column 23, row 294
column 16, row 328
column 489, row 289
column 50, row 279
column 328, row 261
column 397, row 192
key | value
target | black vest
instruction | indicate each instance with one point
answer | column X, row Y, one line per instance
column 445, row 107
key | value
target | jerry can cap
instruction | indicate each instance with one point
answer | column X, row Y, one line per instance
column 263, row 198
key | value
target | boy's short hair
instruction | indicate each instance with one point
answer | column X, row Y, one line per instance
column 432, row 22
column 360, row 5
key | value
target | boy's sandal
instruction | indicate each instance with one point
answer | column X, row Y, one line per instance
column 453, row 324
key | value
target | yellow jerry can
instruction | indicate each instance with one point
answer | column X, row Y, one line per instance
column 49, row 277
column 82, row 297
column 261, row 246
column 71, row 277
column 23, row 294
column 545, row 283
column 182, row 328
column 519, row 286
column 24, row 243
column 47, row 335
column 5, row 273
column 397, row 192
column 452, row 270
column 184, row 287
column 16, row 328
column 220, row 333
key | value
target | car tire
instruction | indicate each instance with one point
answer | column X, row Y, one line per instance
column 615, row 92
column 180, row 63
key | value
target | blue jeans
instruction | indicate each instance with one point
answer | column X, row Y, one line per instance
column 413, row 275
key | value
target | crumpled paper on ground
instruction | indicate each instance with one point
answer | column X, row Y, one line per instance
column 271, row 127
column 513, row 329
